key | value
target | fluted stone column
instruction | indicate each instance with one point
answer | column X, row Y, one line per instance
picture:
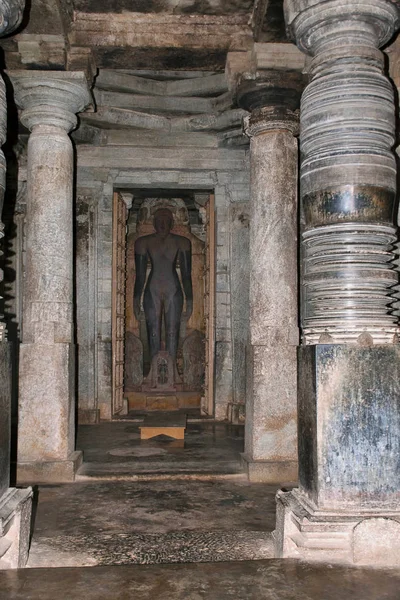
column 347, row 505
column 46, row 434
column 271, row 412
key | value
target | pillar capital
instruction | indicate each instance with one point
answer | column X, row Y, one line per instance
column 50, row 97
column 275, row 88
column 273, row 101
column 269, row 118
column 338, row 30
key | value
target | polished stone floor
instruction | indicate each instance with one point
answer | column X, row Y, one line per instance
column 115, row 450
column 256, row 580
column 127, row 522
column 154, row 501
column 139, row 507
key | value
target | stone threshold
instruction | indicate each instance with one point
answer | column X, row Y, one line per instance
column 162, row 477
column 156, row 548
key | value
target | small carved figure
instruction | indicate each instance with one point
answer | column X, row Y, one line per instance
column 163, row 297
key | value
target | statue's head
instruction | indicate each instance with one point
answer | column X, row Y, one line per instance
column 163, row 221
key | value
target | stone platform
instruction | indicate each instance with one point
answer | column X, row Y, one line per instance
column 163, row 423
column 167, row 401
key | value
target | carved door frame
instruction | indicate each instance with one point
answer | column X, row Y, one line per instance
column 207, row 407
column 119, row 217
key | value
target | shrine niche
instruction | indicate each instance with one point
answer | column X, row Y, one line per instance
column 165, row 325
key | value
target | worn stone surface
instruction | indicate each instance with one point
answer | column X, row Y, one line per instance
column 15, row 527
column 271, row 427
column 5, row 415
column 136, row 40
column 46, row 414
column 377, row 542
column 124, row 548
column 272, row 372
column 86, row 287
column 210, row 449
column 334, row 536
column 270, row 471
column 240, row 283
column 49, row 471
column 272, row 579
column 348, row 426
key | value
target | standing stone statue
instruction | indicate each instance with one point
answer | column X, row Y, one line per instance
column 163, row 297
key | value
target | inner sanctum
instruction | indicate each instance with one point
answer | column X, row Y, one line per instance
column 164, row 276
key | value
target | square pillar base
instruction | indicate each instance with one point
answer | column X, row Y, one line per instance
column 270, row 471
column 306, row 533
column 15, row 527
column 57, row 471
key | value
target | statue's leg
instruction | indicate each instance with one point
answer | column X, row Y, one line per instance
column 152, row 305
column 173, row 312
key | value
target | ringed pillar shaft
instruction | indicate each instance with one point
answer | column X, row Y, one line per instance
column 46, row 435
column 346, row 506
column 271, row 408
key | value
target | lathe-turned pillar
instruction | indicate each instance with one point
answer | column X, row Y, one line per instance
column 347, row 505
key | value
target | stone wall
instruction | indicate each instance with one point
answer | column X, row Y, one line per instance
column 223, row 171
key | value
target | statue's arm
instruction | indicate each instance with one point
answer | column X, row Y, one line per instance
column 185, row 261
column 140, row 275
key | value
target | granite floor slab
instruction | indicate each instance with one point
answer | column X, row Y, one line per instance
column 256, row 580
column 125, row 522
column 115, row 450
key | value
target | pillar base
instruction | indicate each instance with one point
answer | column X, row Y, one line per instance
column 270, row 471
column 57, row 471
column 15, row 527
column 88, row 416
column 309, row 534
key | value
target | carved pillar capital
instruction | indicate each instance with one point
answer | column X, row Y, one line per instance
column 334, row 30
column 270, row 118
column 275, row 88
column 273, row 101
column 50, row 98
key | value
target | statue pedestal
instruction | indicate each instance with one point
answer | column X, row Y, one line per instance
column 163, row 376
column 150, row 401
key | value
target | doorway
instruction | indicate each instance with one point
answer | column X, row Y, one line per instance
column 136, row 384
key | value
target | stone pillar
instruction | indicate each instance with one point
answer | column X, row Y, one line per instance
column 271, row 421
column 49, row 101
column 347, row 505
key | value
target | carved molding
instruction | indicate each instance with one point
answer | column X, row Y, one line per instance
column 50, row 98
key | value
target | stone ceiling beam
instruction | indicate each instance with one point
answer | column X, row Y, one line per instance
column 160, row 30
column 155, row 139
column 112, row 80
column 157, row 104
column 199, row 86
column 122, row 82
column 106, row 116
